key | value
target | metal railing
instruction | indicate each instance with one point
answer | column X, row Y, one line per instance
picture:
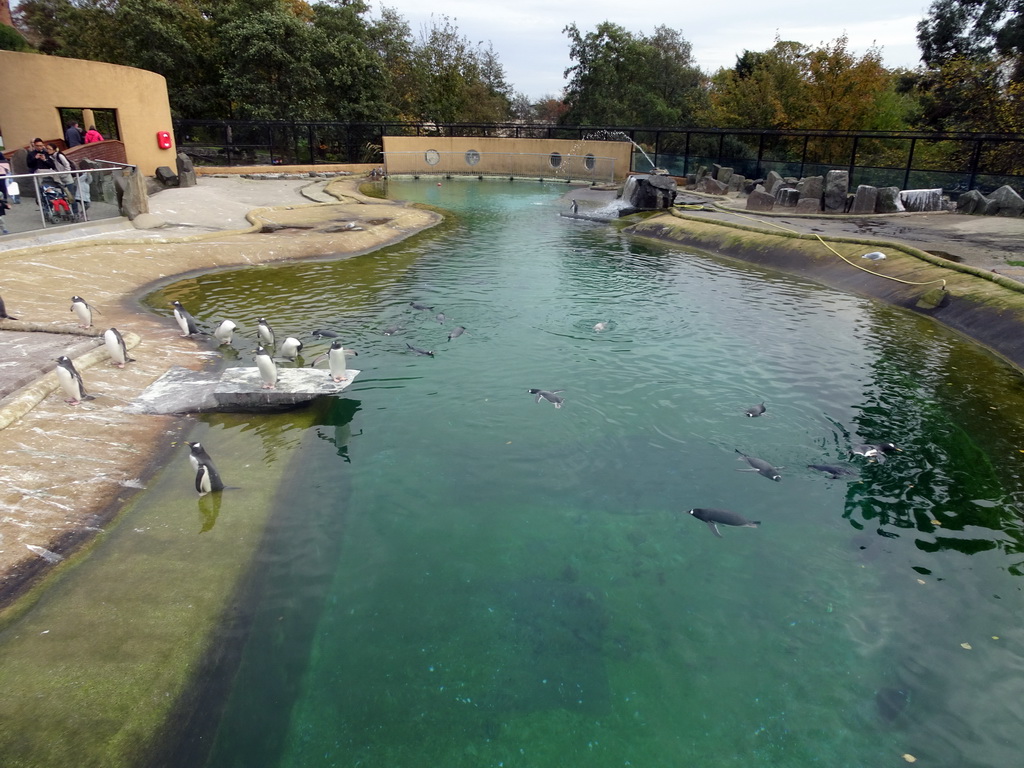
column 553, row 165
column 955, row 162
column 51, row 199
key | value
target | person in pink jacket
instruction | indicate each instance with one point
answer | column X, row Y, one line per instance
column 92, row 135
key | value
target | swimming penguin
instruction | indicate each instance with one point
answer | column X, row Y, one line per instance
column 418, row 351
column 267, row 368
column 265, row 331
column 551, row 396
column 714, row 517
column 324, row 333
column 441, row 318
column 71, row 381
column 391, row 330
column 456, row 332
column 290, row 348
column 116, row 347
column 207, row 477
column 601, row 326
column 874, row 451
column 184, row 319
column 82, row 311
column 833, row 471
column 760, row 466
column 416, row 305
column 3, row 311
column 336, row 361
column 755, row 410
column 224, row 332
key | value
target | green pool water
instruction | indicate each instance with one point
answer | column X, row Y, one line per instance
column 451, row 574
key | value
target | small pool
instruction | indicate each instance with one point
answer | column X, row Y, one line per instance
column 448, row 573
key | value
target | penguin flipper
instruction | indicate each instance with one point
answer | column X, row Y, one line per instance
column 714, row 528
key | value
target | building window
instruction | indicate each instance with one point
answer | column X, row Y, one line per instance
column 432, row 156
column 555, row 160
column 589, row 162
column 472, row 157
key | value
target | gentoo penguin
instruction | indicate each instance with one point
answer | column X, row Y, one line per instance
column 116, row 347
column 551, row 396
column 714, row 517
column 3, row 311
column 290, row 348
column 417, row 305
column 755, row 410
column 456, row 332
column 185, row 321
column 224, row 332
column 441, row 317
column 207, row 477
column 265, row 331
column 82, row 311
column 574, row 207
column 71, row 381
column 267, row 368
column 874, row 451
column 324, row 333
column 335, row 359
column 760, row 466
column 602, row 326
column 831, row 470
column 391, row 330
column 419, row 350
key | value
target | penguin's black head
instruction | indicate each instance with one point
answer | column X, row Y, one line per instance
column 888, row 448
column 336, row 344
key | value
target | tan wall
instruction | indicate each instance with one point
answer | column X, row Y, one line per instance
column 509, row 157
column 33, row 86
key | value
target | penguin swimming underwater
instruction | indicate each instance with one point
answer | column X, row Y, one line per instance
column 834, row 472
column 755, row 410
column 265, row 331
column 116, row 347
column 71, row 381
column 82, row 311
column 185, row 321
column 760, row 466
column 456, row 332
column 391, row 330
column 3, row 311
column 207, row 477
column 290, row 348
column 324, row 333
column 336, row 361
column 551, row 396
column 875, row 451
column 417, row 305
column 267, row 368
column 418, row 351
column 225, row 331
column 714, row 517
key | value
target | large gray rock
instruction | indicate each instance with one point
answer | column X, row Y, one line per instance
column 724, row 175
column 736, row 182
column 772, row 182
column 808, row 205
column 787, row 197
column 1010, row 203
column 186, row 171
column 715, row 170
column 133, row 197
column 865, row 199
column 918, row 200
column 971, row 203
column 710, row 186
column 650, row 193
column 888, row 200
column 166, row 176
column 760, row 201
column 837, row 187
column 811, row 187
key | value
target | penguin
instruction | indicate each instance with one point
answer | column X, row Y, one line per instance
column 714, row 517
column 755, row 410
column 265, row 331
column 416, row 305
column 456, row 332
column 391, row 330
column 441, row 318
column 71, row 381
column 207, row 477
column 874, row 256
column 418, row 351
column 197, row 454
column 874, row 451
column 335, row 359
column 3, row 311
column 760, row 466
column 116, row 347
column 834, row 472
column 267, row 368
column 290, row 348
column 574, row 207
column 602, row 326
column 82, row 311
column 224, row 332
column 551, row 396
column 185, row 321
column 323, row 333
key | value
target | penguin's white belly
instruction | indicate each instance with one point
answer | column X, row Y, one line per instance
column 337, row 363
column 114, row 348
column 69, row 384
column 267, row 369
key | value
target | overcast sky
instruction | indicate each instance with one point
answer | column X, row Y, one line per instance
column 527, row 34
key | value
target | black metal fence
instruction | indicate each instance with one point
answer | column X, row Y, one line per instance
column 956, row 162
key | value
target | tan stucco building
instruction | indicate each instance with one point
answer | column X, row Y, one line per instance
column 33, row 87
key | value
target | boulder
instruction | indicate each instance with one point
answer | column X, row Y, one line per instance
column 186, row 171
column 650, row 193
column 865, row 199
column 888, row 200
column 736, row 183
column 837, row 186
column 148, row 221
column 918, row 200
column 711, row 186
column 166, row 176
column 715, row 170
column 811, row 187
column 131, row 193
column 772, row 182
column 808, row 205
column 725, row 175
column 787, row 197
column 1010, row 203
column 760, row 201
column 971, row 203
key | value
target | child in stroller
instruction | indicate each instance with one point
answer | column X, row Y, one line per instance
column 56, row 205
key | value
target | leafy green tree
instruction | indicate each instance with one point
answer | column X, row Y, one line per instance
column 973, row 29
column 766, row 89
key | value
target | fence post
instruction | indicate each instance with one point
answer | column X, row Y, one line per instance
column 853, row 160
column 910, row 163
column 686, row 155
column 803, row 157
column 975, row 159
column 760, row 154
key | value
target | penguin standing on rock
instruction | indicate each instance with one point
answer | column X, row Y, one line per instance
column 267, row 368
column 71, row 381
column 116, row 347
column 185, row 320
column 335, row 359
column 82, row 311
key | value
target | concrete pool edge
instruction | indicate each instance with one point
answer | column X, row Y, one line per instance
column 985, row 307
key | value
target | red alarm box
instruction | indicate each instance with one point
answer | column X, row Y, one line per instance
column 163, row 139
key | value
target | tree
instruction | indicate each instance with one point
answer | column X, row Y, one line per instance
column 973, row 29
column 766, row 89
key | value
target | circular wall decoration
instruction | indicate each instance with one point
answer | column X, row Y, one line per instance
column 590, row 162
column 555, row 160
column 432, row 156
column 472, row 157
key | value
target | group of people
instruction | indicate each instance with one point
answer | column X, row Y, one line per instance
column 73, row 135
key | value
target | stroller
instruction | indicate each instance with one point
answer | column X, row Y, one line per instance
column 56, row 203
